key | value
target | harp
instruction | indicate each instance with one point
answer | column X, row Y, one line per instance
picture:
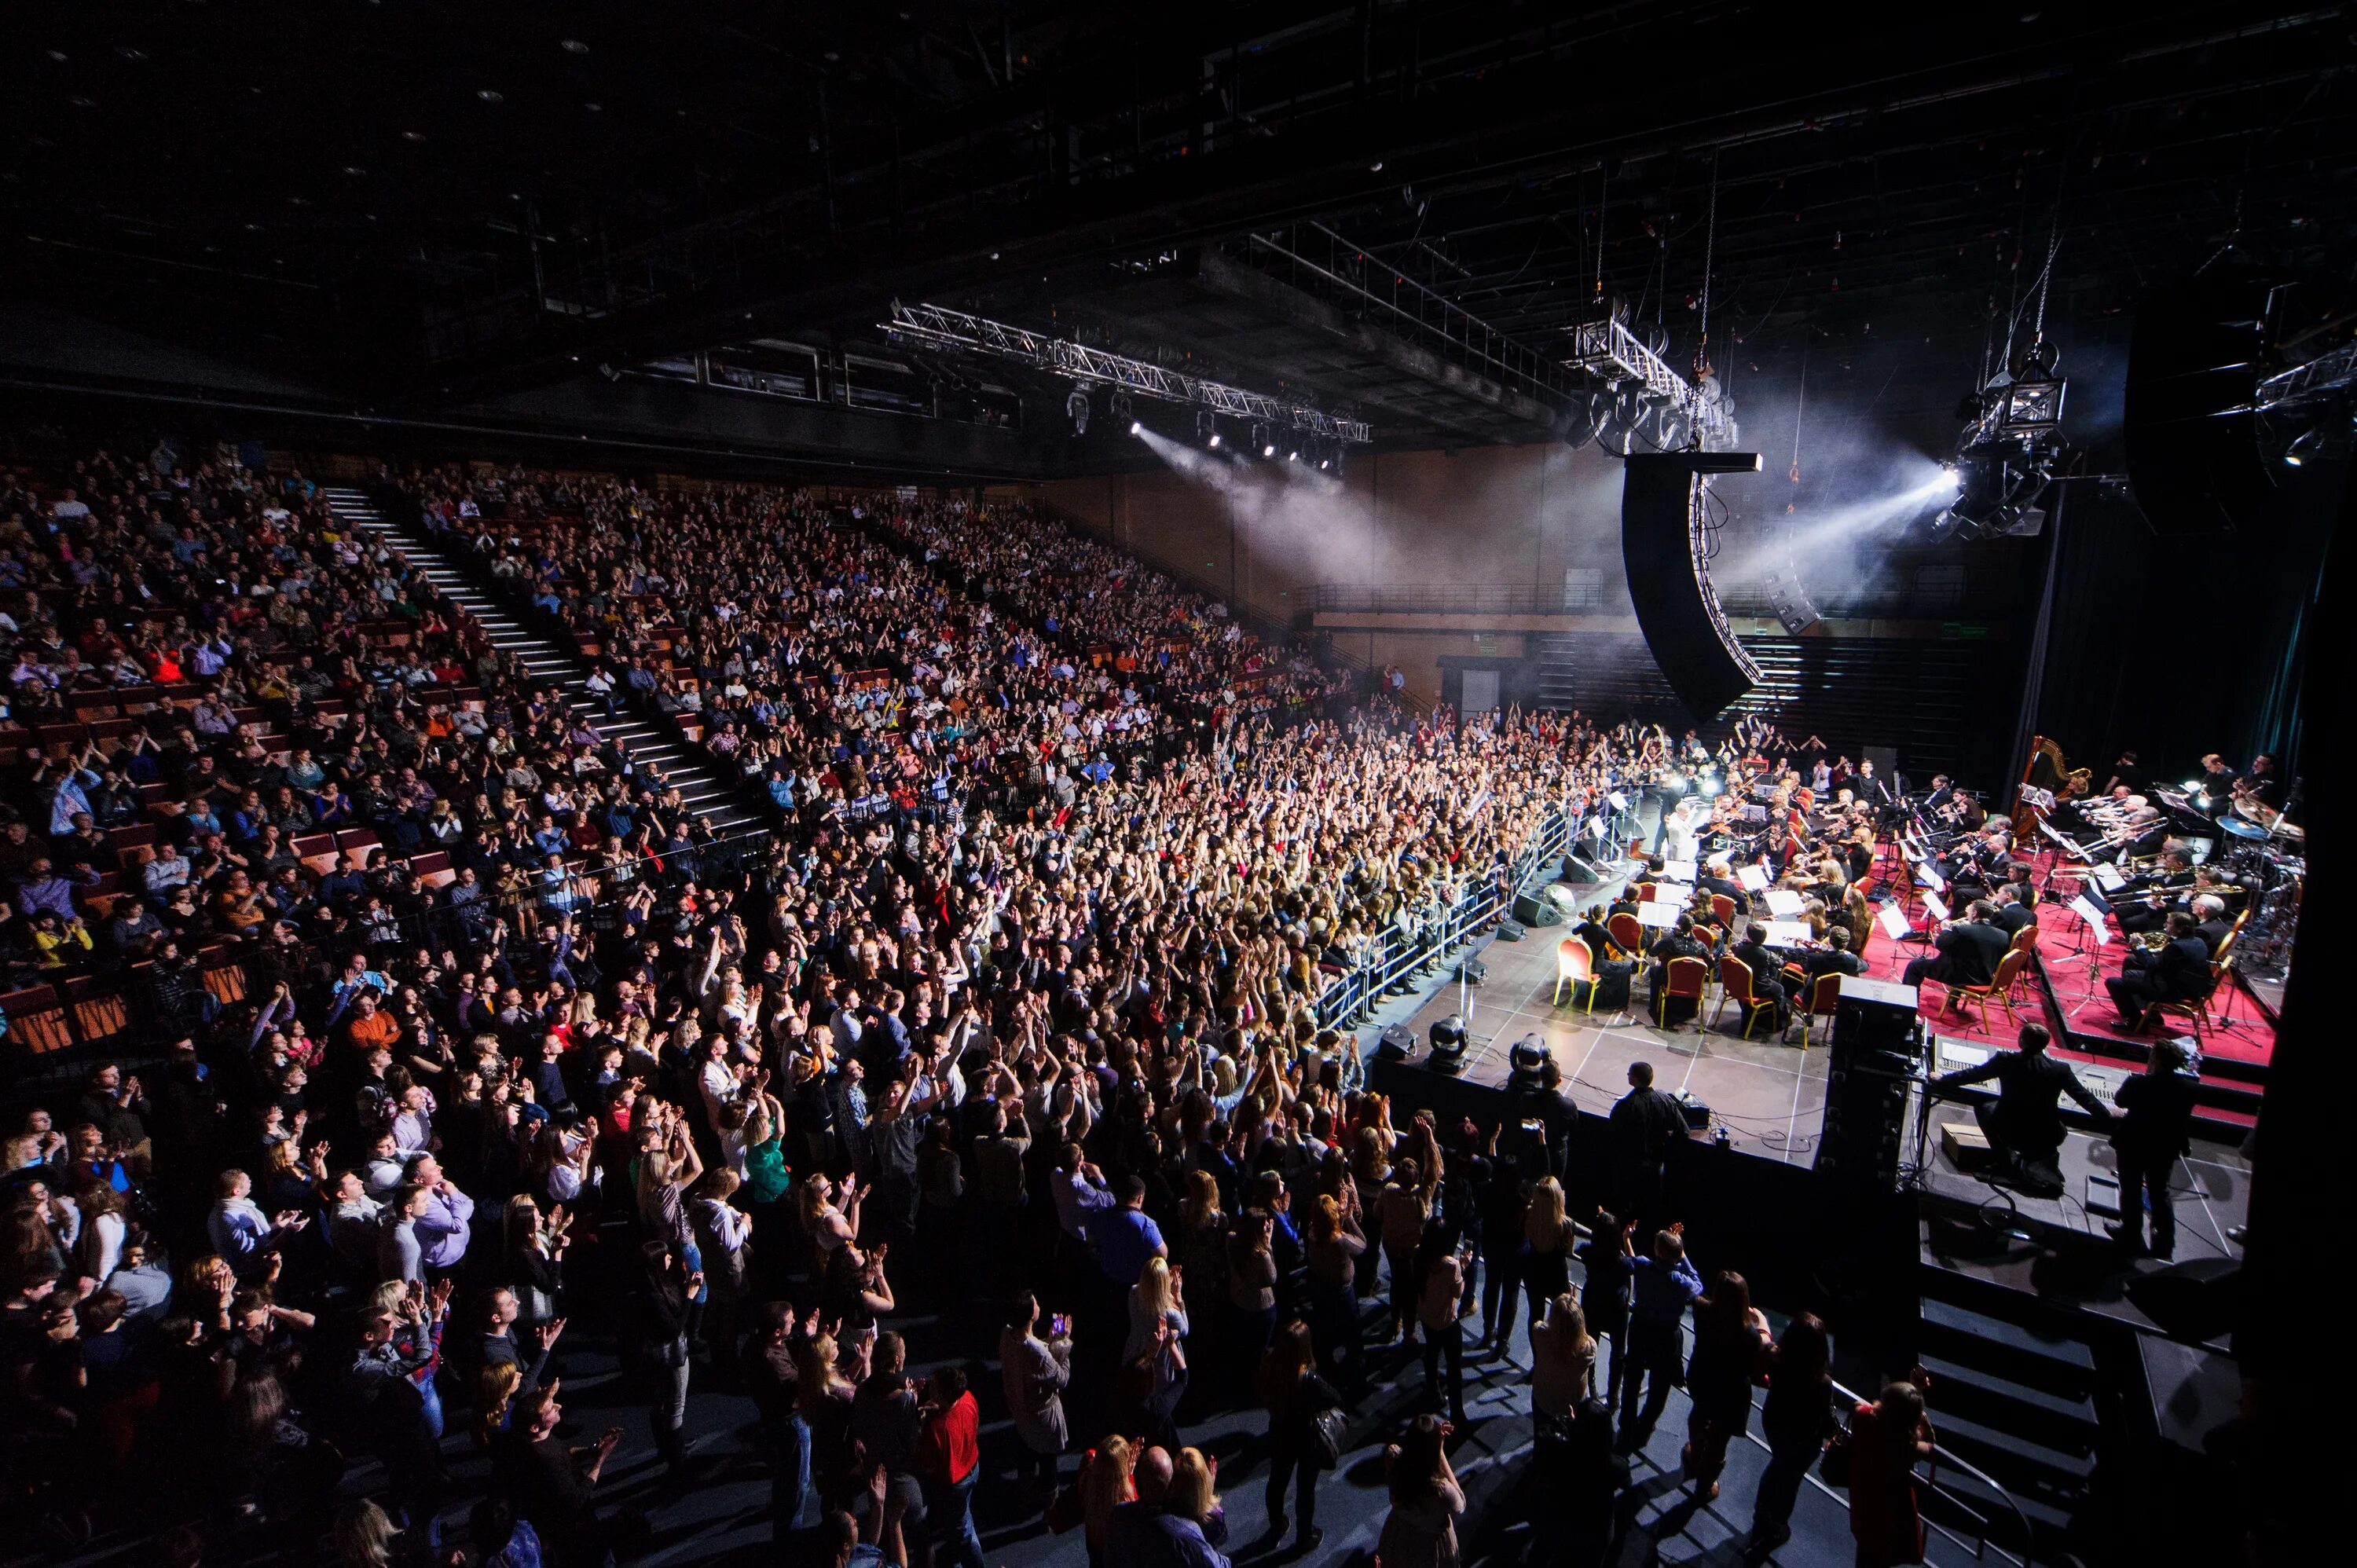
column 2047, row 779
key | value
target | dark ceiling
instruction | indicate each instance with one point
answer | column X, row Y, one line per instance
column 1397, row 208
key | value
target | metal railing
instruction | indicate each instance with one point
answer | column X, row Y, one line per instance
column 1980, row 1546
column 1415, row 938
column 594, row 897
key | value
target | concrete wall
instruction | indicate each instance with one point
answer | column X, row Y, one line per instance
column 1484, row 515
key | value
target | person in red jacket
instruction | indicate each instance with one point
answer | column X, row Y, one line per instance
column 949, row 1463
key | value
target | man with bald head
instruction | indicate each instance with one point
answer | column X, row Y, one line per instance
column 1149, row 1532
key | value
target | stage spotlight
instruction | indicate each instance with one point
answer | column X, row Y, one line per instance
column 1954, row 475
column 1077, row 406
column 2305, row 444
column 1294, row 456
column 1259, row 441
column 1268, row 450
column 1118, row 406
column 1207, row 427
column 1214, row 442
column 1136, row 428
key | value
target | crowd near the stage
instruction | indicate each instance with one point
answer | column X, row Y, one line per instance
column 973, row 1120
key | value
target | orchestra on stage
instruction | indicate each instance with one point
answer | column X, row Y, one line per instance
column 1765, row 873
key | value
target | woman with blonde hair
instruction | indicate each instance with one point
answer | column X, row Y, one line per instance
column 1156, row 1300
column 1191, row 1495
column 1548, row 1237
column 1563, row 1360
column 1107, row 1481
column 363, row 1536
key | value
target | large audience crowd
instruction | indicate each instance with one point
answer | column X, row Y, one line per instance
column 1013, row 1018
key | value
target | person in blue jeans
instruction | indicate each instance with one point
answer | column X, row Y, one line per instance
column 1662, row 1286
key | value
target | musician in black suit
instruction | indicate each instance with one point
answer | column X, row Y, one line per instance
column 2180, row 972
column 1833, row 958
column 1980, row 865
column 2153, row 1132
column 1968, row 952
column 1714, row 879
column 2261, row 784
column 2210, row 922
column 2011, row 914
column 2025, row 1124
column 1680, row 942
column 1767, row 968
column 2137, row 915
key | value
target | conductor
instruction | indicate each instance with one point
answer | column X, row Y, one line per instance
column 2025, row 1124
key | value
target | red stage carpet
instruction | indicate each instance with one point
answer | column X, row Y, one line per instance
column 2086, row 1033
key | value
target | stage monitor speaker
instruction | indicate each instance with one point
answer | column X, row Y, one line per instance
column 1875, row 1019
column 1580, row 869
column 1397, row 1043
column 2192, row 445
column 2192, row 1300
column 1668, row 581
column 1535, row 910
column 1509, row 931
column 1473, row 971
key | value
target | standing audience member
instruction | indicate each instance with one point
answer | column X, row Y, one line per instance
column 1798, row 1422
column 1420, row 1531
column 1665, row 1285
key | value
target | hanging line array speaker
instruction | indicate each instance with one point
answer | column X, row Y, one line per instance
column 1669, row 578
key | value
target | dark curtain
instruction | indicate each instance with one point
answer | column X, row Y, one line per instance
column 2173, row 648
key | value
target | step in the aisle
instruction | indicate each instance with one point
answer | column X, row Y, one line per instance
column 2021, row 1355
column 2067, row 1421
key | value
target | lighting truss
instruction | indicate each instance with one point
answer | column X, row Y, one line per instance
column 2328, row 372
column 942, row 327
column 1609, row 349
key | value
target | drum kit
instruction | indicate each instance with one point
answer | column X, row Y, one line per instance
column 2268, row 860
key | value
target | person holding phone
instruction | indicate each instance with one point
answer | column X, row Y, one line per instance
column 1035, row 1372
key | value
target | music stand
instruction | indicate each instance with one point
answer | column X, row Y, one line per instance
column 2088, row 947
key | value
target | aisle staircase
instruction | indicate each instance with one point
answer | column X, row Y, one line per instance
column 2019, row 1401
column 707, row 793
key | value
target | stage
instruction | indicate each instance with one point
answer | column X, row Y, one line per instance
column 1767, row 1096
column 1770, row 1097
column 2210, row 1188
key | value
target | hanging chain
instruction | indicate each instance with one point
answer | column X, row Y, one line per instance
column 1709, row 252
